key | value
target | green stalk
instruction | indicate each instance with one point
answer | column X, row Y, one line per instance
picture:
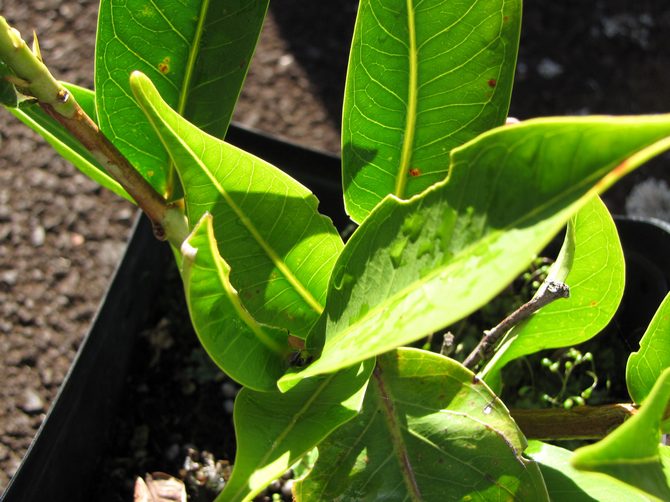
column 33, row 79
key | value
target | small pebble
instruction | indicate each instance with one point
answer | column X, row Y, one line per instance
column 285, row 60
column 9, row 277
column 32, row 402
column 77, row 239
column 37, row 236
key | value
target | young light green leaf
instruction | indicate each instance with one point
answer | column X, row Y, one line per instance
column 596, row 279
column 63, row 142
column 430, row 431
column 424, row 77
column 417, row 266
column 255, row 356
column 197, row 52
column 274, row 430
column 280, row 249
column 632, row 452
column 564, row 482
column 645, row 365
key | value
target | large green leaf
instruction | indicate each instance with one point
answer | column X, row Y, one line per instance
column 197, row 52
column 417, row 266
column 596, row 279
column 646, row 365
column 632, row 453
column 564, row 482
column 280, row 249
column 63, row 142
column 429, row 430
column 424, row 77
column 274, row 430
column 253, row 355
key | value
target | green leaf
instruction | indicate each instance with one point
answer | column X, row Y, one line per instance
column 424, row 77
column 197, row 52
column 429, row 430
column 63, row 142
column 280, row 249
column 596, row 278
column 564, row 482
column 274, row 430
column 417, row 266
column 646, row 365
column 253, row 355
column 632, row 452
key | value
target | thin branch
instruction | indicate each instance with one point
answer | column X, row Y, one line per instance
column 548, row 292
column 32, row 78
column 580, row 422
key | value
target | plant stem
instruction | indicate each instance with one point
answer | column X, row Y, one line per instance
column 32, row 78
column 580, row 422
column 548, row 292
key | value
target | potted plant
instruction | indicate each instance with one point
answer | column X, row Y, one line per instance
column 452, row 205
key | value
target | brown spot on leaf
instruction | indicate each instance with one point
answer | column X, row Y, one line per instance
column 414, row 172
column 164, row 66
column 492, row 82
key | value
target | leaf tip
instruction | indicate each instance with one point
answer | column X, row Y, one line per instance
column 138, row 83
column 288, row 381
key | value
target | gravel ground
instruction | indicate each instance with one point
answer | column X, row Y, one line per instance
column 61, row 236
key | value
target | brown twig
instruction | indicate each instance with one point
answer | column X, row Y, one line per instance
column 580, row 422
column 548, row 292
column 32, row 78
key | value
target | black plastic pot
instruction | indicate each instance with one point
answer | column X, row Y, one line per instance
column 61, row 462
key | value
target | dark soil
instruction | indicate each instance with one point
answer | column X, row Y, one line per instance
column 60, row 235
column 176, row 402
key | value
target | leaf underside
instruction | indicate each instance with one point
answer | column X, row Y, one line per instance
column 280, row 249
column 424, row 77
column 564, row 482
column 596, row 279
column 274, row 430
column 255, row 356
column 417, row 266
column 428, row 431
column 197, row 52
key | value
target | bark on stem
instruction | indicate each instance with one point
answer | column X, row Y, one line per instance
column 548, row 292
column 32, row 78
column 580, row 422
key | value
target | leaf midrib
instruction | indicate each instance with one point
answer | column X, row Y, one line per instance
column 186, row 84
column 412, row 103
column 192, row 58
column 387, row 408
